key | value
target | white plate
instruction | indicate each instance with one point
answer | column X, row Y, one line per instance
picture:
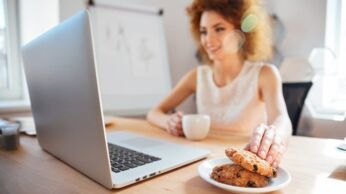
column 281, row 180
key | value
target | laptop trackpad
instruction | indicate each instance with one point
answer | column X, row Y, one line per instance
column 141, row 143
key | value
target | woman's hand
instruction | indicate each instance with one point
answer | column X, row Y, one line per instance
column 174, row 124
column 267, row 144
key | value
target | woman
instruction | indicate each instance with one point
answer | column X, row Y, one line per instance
column 241, row 94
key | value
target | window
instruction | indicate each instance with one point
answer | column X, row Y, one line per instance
column 10, row 72
column 329, row 92
column 3, row 56
column 337, row 98
column 20, row 22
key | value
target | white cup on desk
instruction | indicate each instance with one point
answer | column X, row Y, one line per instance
column 196, row 127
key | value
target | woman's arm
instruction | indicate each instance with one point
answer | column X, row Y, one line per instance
column 271, row 91
column 159, row 115
column 270, row 142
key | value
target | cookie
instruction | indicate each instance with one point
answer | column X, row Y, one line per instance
column 233, row 174
column 251, row 162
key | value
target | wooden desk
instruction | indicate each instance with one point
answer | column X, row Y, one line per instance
column 315, row 164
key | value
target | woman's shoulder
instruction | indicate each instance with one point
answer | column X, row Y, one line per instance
column 259, row 64
column 190, row 75
column 193, row 73
column 269, row 70
column 269, row 74
column 197, row 73
column 203, row 70
column 265, row 69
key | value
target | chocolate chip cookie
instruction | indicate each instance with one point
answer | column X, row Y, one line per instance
column 233, row 174
column 251, row 162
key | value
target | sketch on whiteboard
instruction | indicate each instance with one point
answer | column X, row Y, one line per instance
column 136, row 52
column 115, row 39
column 145, row 57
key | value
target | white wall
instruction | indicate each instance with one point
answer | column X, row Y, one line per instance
column 304, row 21
column 36, row 17
column 68, row 7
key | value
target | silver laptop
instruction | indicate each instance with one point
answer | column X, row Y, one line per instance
column 65, row 98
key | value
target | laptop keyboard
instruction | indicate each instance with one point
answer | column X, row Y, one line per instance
column 123, row 158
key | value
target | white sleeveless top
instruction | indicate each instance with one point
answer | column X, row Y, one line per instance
column 234, row 108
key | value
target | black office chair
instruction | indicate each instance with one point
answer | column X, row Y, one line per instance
column 295, row 94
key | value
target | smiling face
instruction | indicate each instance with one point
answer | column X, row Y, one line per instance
column 218, row 36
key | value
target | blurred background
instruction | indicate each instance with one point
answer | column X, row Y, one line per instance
column 309, row 40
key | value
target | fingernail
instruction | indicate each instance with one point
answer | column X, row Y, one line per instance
column 270, row 159
column 262, row 154
column 254, row 148
column 275, row 164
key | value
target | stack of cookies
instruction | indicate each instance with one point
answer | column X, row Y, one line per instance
column 248, row 170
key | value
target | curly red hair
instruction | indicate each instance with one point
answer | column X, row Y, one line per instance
column 258, row 43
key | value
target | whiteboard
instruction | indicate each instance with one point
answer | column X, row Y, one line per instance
column 131, row 57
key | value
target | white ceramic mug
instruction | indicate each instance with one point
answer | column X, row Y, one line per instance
column 196, row 127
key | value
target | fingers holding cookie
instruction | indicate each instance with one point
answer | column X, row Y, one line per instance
column 266, row 142
column 256, row 138
column 276, row 151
